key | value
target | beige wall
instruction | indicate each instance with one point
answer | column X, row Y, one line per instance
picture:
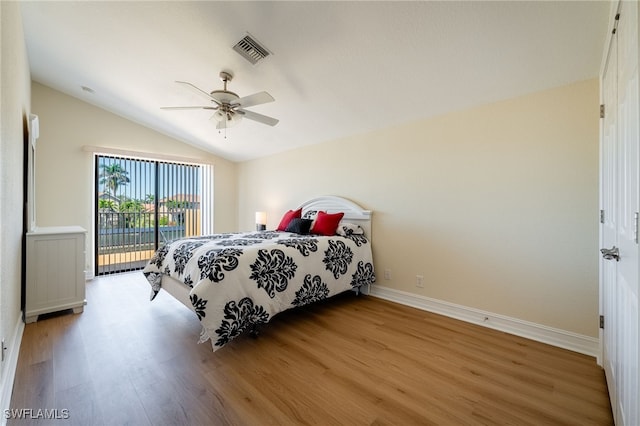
column 495, row 206
column 14, row 110
column 64, row 185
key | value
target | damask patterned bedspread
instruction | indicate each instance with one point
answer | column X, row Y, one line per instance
column 241, row 280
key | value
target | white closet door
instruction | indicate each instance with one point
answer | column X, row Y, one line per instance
column 620, row 187
column 608, row 269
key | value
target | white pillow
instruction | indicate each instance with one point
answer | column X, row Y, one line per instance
column 346, row 228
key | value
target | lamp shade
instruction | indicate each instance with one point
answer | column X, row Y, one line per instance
column 261, row 218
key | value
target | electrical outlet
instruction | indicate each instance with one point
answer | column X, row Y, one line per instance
column 419, row 281
column 387, row 274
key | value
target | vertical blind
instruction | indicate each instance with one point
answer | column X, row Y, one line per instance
column 141, row 204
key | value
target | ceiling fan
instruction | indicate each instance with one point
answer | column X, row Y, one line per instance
column 229, row 108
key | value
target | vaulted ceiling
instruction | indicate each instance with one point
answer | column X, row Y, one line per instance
column 336, row 69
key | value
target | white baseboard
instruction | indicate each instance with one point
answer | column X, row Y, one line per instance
column 564, row 339
column 9, row 369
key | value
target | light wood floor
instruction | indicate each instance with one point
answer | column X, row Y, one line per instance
column 353, row 360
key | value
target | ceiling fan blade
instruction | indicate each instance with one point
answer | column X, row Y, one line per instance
column 255, row 99
column 258, row 117
column 199, row 91
column 190, row 107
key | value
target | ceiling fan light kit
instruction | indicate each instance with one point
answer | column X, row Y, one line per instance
column 226, row 119
column 228, row 106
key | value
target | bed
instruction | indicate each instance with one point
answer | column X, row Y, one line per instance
column 236, row 282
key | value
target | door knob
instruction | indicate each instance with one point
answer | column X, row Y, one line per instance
column 612, row 253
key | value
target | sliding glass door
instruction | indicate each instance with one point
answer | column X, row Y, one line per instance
column 140, row 205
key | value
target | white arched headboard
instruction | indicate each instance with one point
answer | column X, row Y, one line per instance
column 353, row 213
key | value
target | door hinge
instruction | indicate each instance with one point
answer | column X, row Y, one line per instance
column 601, row 216
column 615, row 24
column 602, row 111
column 635, row 227
column 602, row 322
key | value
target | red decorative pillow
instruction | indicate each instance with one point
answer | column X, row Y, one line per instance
column 288, row 216
column 326, row 223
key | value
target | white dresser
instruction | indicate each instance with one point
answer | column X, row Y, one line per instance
column 55, row 270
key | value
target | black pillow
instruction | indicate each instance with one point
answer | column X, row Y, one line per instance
column 299, row 226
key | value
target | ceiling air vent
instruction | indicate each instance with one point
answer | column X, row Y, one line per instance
column 250, row 49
